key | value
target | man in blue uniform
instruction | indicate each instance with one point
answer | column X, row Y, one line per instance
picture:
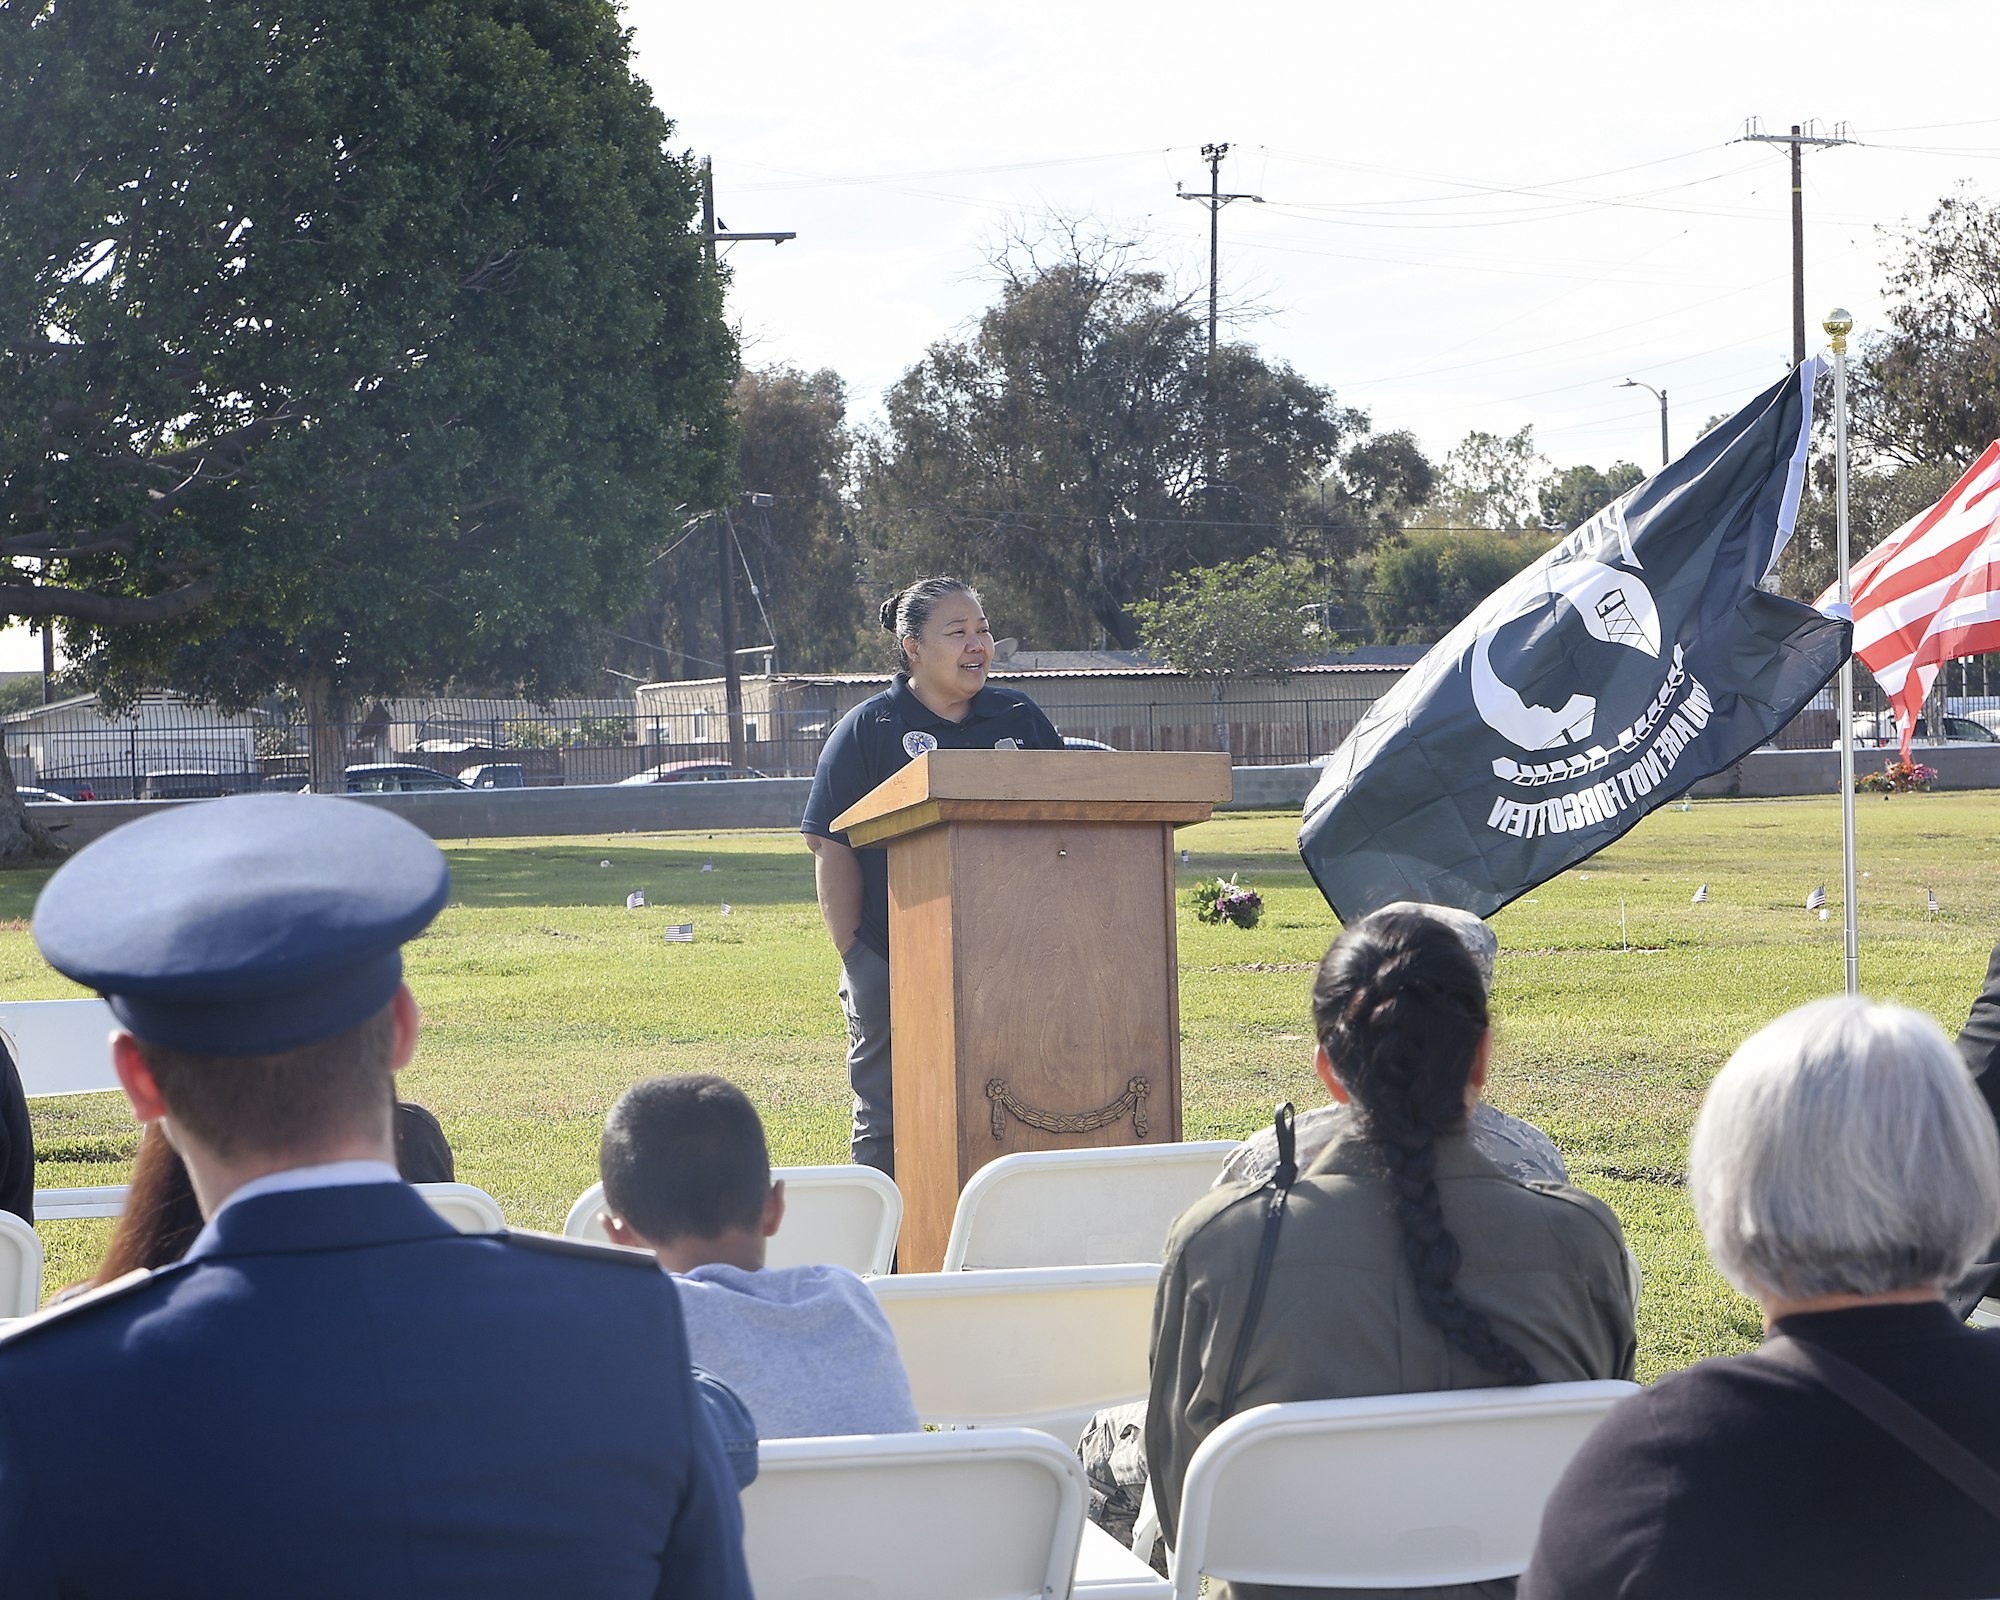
column 334, row 1393
column 939, row 701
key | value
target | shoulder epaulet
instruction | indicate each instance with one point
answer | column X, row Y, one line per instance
column 1582, row 1199
column 76, row 1304
column 556, row 1244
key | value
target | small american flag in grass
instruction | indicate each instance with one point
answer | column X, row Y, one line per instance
column 679, row 933
column 1700, row 896
column 1816, row 901
column 1930, row 898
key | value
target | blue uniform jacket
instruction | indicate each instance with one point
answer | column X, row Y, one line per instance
column 339, row 1395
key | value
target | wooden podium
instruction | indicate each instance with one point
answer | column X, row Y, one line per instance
column 1034, row 995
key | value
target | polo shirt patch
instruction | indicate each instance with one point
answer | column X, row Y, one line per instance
column 1006, row 744
column 916, row 742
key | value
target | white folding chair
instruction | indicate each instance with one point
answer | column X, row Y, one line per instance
column 834, row 1216
column 20, row 1267
column 1079, row 1208
column 467, row 1209
column 64, row 1047
column 92, row 1200
column 61, row 1046
column 1382, row 1492
column 914, row 1516
column 1106, row 1570
column 1030, row 1347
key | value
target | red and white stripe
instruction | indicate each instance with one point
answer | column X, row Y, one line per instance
column 1931, row 591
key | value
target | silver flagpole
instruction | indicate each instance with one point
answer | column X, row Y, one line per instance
column 1839, row 325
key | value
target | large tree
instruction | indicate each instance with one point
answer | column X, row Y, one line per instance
column 794, row 561
column 1927, row 388
column 1490, row 482
column 796, row 534
column 349, row 345
column 1576, row 494
column 1416, row 591
column 1075, row 451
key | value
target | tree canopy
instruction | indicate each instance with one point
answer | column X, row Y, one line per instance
column 348, row 346
column 1418, row 590
column 1490, row 481
column 1927, row 389
column 1217, row 622
column 800, row 546
column 1075, row 451
column 1576, row 494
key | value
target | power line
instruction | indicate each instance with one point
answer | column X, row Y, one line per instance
column 1800, row 136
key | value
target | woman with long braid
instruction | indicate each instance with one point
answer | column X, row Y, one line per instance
column 1405, row 1261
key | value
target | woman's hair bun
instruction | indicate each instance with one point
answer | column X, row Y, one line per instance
column 887, row 612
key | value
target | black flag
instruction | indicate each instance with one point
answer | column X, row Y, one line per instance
column 1636, row 657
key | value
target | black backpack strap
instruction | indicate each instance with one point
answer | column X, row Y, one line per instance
column 1280, row 1185
column 1894, row 1415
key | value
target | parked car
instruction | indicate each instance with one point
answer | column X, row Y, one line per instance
column 40, row 797
column 1086, row 744
column 390, row 777
column 1877, row 730
column 190, row 784
column 1990, row 720
column 691, row 772
column 494, row 775
column 286, row 783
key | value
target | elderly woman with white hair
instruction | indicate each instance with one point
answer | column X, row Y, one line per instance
column 1844, row 1171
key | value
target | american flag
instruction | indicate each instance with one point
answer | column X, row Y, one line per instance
column 1700, row 896
column 1816, row 901
column 680, row 933
column 1931, row 591
column 635, row 899
column 1930, row 895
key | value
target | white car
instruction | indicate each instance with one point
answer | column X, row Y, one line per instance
column 1877, row 730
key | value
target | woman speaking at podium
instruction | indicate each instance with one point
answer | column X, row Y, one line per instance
column 939, row 701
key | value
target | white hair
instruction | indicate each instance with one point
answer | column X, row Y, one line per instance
column 1844, row 1150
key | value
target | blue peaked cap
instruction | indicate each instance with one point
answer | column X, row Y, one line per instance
column 245, row 926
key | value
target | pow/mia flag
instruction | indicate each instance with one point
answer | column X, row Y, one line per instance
column 1636, row 657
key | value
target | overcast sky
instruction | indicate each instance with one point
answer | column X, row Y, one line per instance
column 1474, row 216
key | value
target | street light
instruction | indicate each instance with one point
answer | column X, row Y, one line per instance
column 1631, row 383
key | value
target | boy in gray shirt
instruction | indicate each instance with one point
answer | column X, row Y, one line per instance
column 687, row 1176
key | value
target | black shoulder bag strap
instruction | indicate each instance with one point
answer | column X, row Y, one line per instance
column 1894, row 1415
column 1280, row 1185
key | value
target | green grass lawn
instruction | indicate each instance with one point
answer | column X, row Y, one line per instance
column 544, row 998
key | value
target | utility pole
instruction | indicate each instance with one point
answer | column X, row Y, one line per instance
column 1215, row 200
column 725, row 531
column 1802, row 134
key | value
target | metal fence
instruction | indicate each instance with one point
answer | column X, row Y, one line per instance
column 167, row 748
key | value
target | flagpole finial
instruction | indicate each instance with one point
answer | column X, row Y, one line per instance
column 1839, row 324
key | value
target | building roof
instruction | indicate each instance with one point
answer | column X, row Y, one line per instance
column 152, row 697
column 1388, row 658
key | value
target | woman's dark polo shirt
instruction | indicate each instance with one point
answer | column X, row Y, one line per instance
column 884, row 734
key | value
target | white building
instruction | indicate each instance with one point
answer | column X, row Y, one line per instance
column 72, row 746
